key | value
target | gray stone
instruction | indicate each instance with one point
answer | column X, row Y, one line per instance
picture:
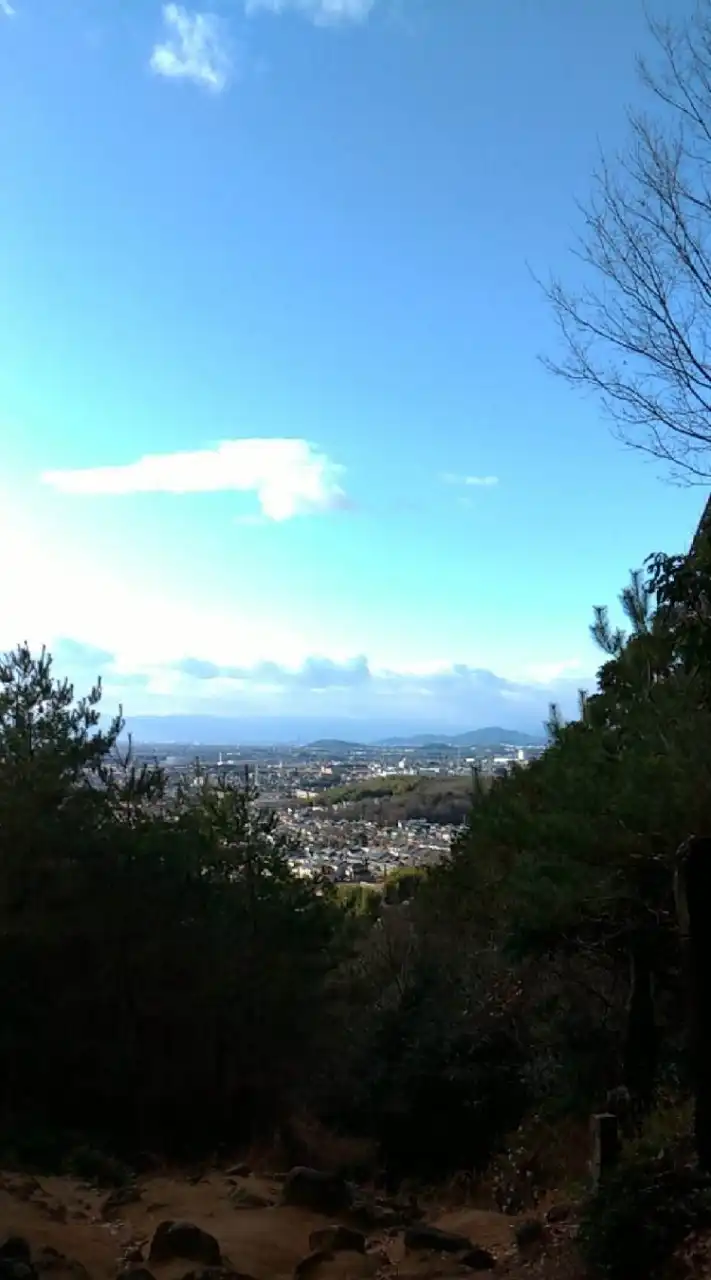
column 530, row 1232
column 311, row 1263
column 337, row 1239
column 369, row 1216
column 312, row 1189
column 432, row 1238
column 16, row 1269
column 49, row 1259
column 242, row 1198
column 558, row 1213
column 134, row 1254
column 118, row 1199
column 15, row 1248
column 478, row 1259
column 216, row 1273
column 184, row 1240
column 604, row 1130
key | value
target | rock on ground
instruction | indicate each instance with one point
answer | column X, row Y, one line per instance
column 313, row 1189
column 426, row 1237
column 478, row 1260
column 184, row 1240
column 337, row 1239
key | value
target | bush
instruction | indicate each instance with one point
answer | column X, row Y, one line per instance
column 454, row 1100
column 34, row 1147
column 644, row 1210
column 429, row 1061
column 93, row 1165
column 403, row 884
column 362, row 899
column 162, row 972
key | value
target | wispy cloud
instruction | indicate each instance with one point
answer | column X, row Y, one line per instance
column 321, row 12
column 193, row 50
column 6, row 9
column 317, row 672
column 289, row 477
column 76, row 653
column 470, row 482
column 439, row 694
column 549, row 672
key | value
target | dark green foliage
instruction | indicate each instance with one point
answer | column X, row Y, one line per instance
column 551, row 931
column 361, row 899
column 449, row 1102
column 161, row 970
column 93, row 1165
column 642, row 1213
column 403, row 884
column 430, row 1060
column 571, row 862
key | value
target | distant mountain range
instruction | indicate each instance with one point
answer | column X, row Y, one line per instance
column 492, row 736
column 489, row 737
column 224, row 731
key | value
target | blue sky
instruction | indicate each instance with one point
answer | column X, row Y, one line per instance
column 283, row 250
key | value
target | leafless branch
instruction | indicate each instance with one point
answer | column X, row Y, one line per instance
column 638, row 330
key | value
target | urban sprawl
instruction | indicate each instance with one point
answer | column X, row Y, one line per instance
column 359, row 812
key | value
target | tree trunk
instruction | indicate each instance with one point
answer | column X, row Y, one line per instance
column 694, row 908
column 605, row 1135
column 640, row 1052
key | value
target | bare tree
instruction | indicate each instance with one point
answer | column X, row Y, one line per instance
column 639, row 330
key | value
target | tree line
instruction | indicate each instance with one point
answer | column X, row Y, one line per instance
column 154, row 947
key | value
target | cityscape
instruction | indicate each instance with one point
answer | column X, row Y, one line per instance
column 357, row 812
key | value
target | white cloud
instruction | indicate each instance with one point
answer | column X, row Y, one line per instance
column 289, row 477
column 193, row 50
column 547, row 672
column 7, row 9
column 450, row 477
column 321, row 12
column 437, row 696
column 168, row 647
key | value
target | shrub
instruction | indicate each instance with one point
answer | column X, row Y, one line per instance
column 163, row 974
column 93, row 1165
column 644, row 1210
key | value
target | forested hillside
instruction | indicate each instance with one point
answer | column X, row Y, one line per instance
column 395, row 798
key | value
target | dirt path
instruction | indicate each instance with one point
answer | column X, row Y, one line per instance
column 265, row 1242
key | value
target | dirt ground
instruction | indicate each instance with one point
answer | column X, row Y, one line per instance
column 266, row 1242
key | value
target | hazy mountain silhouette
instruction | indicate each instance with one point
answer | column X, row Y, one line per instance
column 208, row 730
column 491, row 736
